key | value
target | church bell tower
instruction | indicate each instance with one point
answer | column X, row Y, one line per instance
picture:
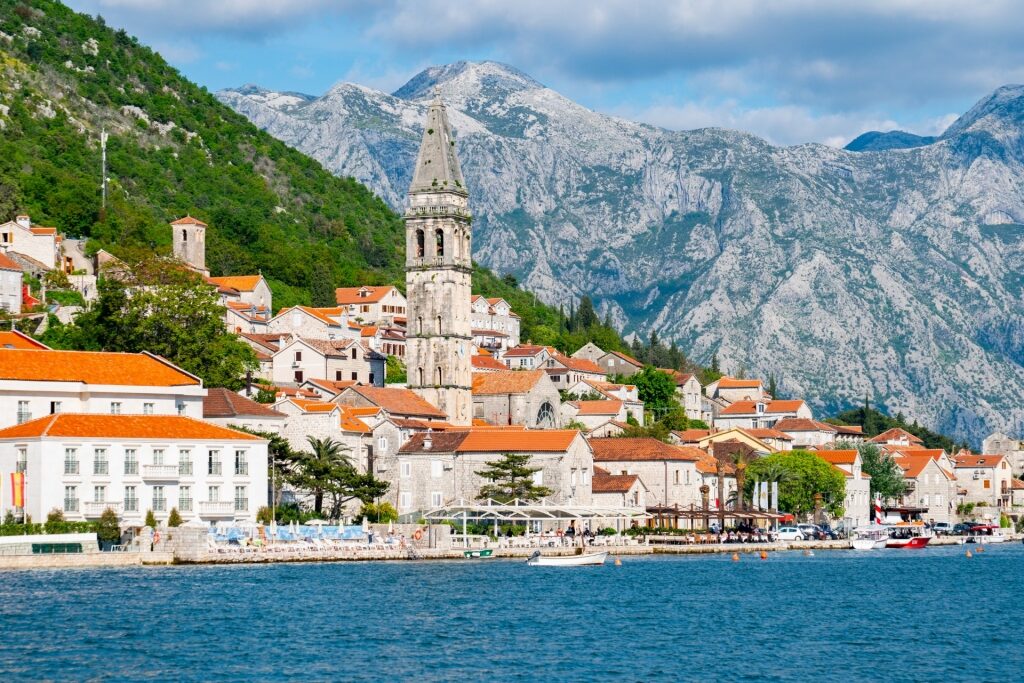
column 438, row 273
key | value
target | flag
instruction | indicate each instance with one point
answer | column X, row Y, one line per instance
column 764, row 495
column 18, row 489
column 774, row 504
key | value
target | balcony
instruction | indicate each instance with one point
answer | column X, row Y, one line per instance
column 164, row 472
column 224, row 508
column 92, row 508
column 185, row 469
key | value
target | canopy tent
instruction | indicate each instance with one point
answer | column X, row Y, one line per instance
column 664, row 513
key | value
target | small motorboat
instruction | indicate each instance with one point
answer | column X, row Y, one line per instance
column 986, row 534
column 539, row 560
column 479, row 554
column 871, row 537
column 908, row 535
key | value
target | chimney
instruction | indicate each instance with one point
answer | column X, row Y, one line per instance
column 428, row 441
column 23, row 221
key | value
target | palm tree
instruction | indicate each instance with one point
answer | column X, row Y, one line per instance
column 323, row 470
column 741, row 457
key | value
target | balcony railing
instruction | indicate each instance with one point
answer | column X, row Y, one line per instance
column 131, row 505
column 241, row 504
column 185, row 469
column 102, row 468
column 242, row 469
column 215, row 507
column 131, row 467
column 93, row 508
column 70, row 505
column 184, row 505
column 159, row 471
column 159, row 505
column 70, row 467
column 214, row 469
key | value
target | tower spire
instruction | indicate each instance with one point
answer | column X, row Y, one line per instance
column 437, row 166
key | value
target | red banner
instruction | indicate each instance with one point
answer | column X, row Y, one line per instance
column 18, row 489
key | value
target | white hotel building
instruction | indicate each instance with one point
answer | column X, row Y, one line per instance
column 82, row 464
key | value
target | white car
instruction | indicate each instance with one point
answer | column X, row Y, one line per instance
column 789, row 533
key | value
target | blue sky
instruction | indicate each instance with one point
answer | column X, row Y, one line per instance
column 790, row 70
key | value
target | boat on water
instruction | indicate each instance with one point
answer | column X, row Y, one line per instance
column 539, row 560
column 872, row 537
column 908, row 535
column 986, row 534
column 478, row 554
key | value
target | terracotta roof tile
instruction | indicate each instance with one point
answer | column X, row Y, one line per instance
column 526, row 350
column 768, row 433
column 579, row 364
column 973, row 461
column 692, row 435
column 73, row 425
column 242, row 283
column 188, row 220
column 598, row 407
column 844, row 457
column 615, row 449
column 92, row 367
column 506, row 382
column 220, row 402
column 12, row 339
column 913, row 465
column 321, row 314
column 612, row 483
column 895, row 434
column 799, row 424
column 493, row 440
column 488, row 363
column 735, row 383
column 770, row 407
column 398, row 401
column 314, row 405
column 350, row 295
column 7, row 264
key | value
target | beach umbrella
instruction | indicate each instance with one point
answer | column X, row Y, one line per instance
column 391, row 527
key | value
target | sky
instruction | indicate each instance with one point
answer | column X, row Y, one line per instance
column 792, row 71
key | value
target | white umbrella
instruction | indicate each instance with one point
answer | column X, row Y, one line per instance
column 197, row 523
column 317, row 522
column 391, row 527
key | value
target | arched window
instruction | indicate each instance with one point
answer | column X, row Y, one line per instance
column 439, row 238
column 466, row 252
column 420, row 244
column 419, row 376
column 437, row 378
column 184, row 235
column 546, row 416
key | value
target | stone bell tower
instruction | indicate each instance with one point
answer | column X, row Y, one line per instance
column 188, row 236
column 438, row 273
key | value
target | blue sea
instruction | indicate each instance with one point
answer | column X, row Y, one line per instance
column 890, row 615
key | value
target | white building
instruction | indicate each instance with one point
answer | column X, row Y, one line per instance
column 857, row 504
column 37, row 383
column 83, row 464
column 760, row 414
column 10, row 285
column 40, row 244
column 337, row 360
column 313, row 323
column 495, row 326
column 372, row 305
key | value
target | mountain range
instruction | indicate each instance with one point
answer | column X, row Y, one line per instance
column 891, row 274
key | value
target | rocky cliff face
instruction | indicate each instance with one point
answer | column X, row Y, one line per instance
column 894, row 274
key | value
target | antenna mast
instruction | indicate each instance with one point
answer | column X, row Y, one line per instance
column 103, row 156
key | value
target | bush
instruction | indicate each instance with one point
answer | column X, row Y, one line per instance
column 378, row 513
column 150, row 519
column 265, row 515
column 607, row 531
column 174, row 519
column 108, row 529
column 54, row 519
column 65, row 297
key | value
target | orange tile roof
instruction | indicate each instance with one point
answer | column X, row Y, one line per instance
column 987, row 460
column 708, row 464
column 612, row 483
column 398, row 401
column 7, row 264
column 614, row 449
column 1016, row 484
column 102, row 426
column 692, row 435
column 12, row 339
column 895, row 434
column 320, row 314
column 913, row 465
column 487, row 363
column 506, row 382
column 334, row 386
column 493, row 440
column 368, row 331
column 41, row 230
column 610, row 407
column 734, row 383
column 313, row 406
column 799, row 424
column 768, row 433
column 350, row 421
column 851, row 430
column 750, row 407
column 220, row 402
column 844, row 457
column 188, row 220
column 243, row 283
column 350, row 295
column 92, row 367
column 525, row 350
column 579, row 364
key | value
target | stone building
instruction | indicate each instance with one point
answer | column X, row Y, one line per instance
column 434, row 469
column 40, row 245
column 928, row 486
column 226, row 408
column 857, row 504
column 985, row 479
column 523, row 397
column 372, row 305
column 188, row 237
column 332, row 359
column 668, row 472
column 1011, row 449
column 439, row 271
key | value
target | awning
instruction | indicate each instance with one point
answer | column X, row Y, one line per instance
column 530, row 511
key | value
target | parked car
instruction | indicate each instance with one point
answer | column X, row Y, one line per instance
column 829, row 534
column 942, row 528
column 811, row 532
column 789, row 533
column 963, row 528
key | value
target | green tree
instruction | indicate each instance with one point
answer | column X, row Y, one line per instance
column 511, row 478
column 265, row 395
column 806, row 474
column 150, row 519
column 108, row 529
column 886, row 476
column 54, row 521
column 378, row 513
column 265, row 515
column 322, row 470
column 174, row 519
column 395, row 372
column 657, row 390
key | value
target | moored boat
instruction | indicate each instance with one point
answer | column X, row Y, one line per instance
column 908, row 535
column 539, row 560
column 479, row 554
column 870, row 537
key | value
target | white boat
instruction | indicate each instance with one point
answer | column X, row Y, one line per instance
column 870, row 537
column 538, row 560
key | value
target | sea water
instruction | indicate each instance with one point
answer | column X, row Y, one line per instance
column 900, row 615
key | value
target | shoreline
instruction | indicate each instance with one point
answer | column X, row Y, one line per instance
column 99, row 560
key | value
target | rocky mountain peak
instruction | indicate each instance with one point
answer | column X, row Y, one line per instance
column 1003, row 109
column 488, row 77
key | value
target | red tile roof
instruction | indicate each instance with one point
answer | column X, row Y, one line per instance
column 735, row 383
column 750, row 407
column 350, row 295
column 526, row 350
column 799, row 424
column 242, row 283
column 977, row 461
column 612, row 483
column 487, row 363
column 188, row 220
column 615, row 449
column 92, row 367
column 506, row 382
column 913, row 465
column 321, row 314
column 579, row 364
column 493, row 441
column 611, row 407
column 843, row 457
column 12, row 339
column 768, row 433
column 333, row 386
column 102, row 426
column 7, row 264
column 895, row 434
column 692, row 435
column 398, row 401
column 220, row 402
